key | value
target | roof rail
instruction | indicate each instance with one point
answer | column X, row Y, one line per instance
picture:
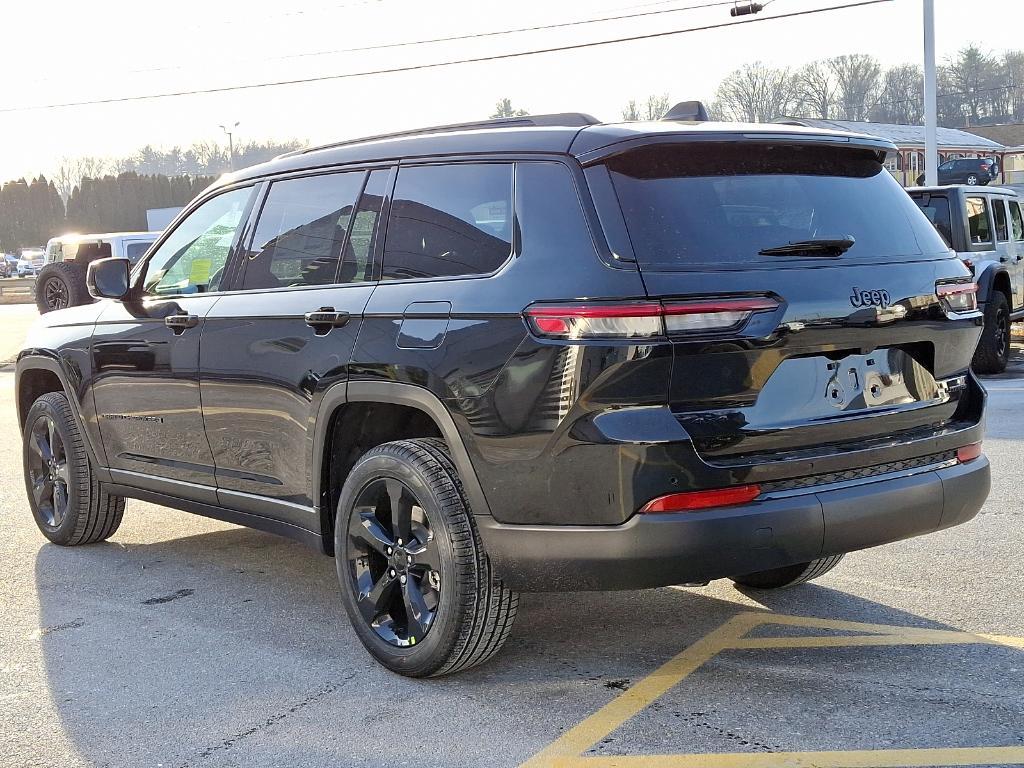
column 561, row 120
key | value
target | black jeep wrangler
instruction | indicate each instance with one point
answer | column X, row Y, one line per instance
column 534, row 354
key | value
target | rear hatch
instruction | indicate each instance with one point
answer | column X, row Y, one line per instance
column 860, row 352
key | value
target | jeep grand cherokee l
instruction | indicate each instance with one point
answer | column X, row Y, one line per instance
column 535, row 354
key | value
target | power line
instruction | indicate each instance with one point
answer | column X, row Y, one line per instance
column 439, row 64
column 453, row 38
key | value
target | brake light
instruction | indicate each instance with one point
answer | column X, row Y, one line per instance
column 958, row 297
column 968, row 452
column 647, row 319
column 985, row 166
column 693, row 500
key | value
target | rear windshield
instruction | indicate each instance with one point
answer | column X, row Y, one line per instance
column 719, row 204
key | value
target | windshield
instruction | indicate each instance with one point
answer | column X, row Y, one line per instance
column 718, row 204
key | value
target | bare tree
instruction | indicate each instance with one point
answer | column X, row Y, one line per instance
column 70, row 172
column 654, row 108
column 816, row 90
column 755, row 93
column 902, row 96
column 504, row 108
column 1013, row 80
column 859, row 80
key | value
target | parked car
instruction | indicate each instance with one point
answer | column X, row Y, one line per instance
column 5, row 266
column 563, row 355
column 30, row 261
column 11, row 261
column 986, row 229
column 61, row 281
column 973, row 171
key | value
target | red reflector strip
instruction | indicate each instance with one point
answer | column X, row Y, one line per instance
column 686, row 502
column 968, row 453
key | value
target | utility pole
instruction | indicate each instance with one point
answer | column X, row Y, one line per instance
column 231, row 144
column 931, row 120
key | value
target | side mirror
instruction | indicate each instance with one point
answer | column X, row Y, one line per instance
column 109, row 278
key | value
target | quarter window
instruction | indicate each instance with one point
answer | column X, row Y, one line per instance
column 1016, row 220
column 301, row 230
column 999, row 213
column 192, row 258
column 977, row 219
column 449, row 220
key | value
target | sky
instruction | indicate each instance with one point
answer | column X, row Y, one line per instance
column 70, row 51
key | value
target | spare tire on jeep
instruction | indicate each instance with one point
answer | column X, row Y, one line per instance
column 59, row 285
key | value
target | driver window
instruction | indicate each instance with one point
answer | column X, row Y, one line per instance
column 192, row 258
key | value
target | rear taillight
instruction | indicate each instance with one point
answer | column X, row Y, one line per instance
column 985, row 166
column 646, row 319
column 692, row 500
column 958, row 297
column 968, row 452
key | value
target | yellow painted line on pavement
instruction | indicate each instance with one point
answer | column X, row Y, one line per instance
column 568, row 751
column 866, row 758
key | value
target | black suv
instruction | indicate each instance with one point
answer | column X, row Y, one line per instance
column 535, row 354
column 974, row 171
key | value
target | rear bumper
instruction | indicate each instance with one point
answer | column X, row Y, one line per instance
column 658, row 550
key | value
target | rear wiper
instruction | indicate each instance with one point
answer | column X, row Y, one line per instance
column 820, row 246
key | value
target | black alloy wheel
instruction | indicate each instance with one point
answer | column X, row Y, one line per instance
column 49, row 475
column 56, row 294
column 394, row 562
column 415, row 580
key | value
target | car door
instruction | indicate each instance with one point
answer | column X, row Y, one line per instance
column 1016, row 252
column 146, row 356
column 285, row 333
column 947, row 172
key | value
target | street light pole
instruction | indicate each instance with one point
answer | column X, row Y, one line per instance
column 231, row 144
column 931, row 143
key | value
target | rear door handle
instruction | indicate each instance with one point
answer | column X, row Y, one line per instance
column 324, row 319
column 180, row 323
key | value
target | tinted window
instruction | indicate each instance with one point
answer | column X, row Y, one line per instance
column 135, row 251
column 192, row 258
column 937, row 211
column 301, row 231
column 720, row 204
column 449, row 220
column 359, row 253
column 999, row 213
column 977, row 219
column 1017, row 221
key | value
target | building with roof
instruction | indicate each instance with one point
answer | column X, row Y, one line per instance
column 908, row 163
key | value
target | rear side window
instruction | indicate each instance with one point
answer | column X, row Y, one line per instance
column 301, row 230
column 449, row 220
column 135, row 251
column 977, row 220
column 717, row 204
column 937, row 210
column 999, row 213
column 1016, row 220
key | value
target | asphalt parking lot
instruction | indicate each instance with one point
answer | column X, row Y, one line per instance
column 189, row 642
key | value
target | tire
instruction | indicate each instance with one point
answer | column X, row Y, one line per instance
column 61, row 285
column 993, row 350
column 67, row 502
column 972, row 180
column 465, row 613
column 790, row 575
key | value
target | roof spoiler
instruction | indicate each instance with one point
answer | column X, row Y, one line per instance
column 688, row 111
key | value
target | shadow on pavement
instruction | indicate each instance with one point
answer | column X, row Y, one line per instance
column 234, row 642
